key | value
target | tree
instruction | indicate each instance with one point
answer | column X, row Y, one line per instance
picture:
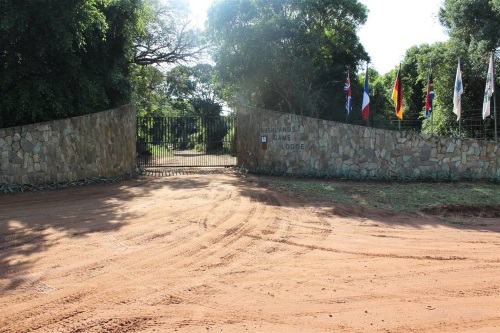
column 64, row 58
column 167, row 37
column 472, row 20
column 415, row 71
column 284, row 55
column 473, row 28
column 167, row 40
column 150, row 92
column 196, row 84
column 67, row 58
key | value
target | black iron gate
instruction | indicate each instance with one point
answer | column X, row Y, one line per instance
column 186, row 141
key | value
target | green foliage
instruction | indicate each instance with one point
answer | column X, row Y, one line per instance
column 229, row 142
column 401, row 197
column 182, row 91
column 472, row 20
column 150, row 92
column 64, row 58
column 196, row 85
column 167, row 38
column 210, row 133
column 286, row 55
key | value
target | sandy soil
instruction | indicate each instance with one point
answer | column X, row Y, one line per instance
column 218, row 252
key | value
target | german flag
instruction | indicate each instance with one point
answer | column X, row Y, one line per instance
column 429, row 96
column 397, row 96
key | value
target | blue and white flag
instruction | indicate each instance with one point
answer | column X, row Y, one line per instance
column 490, row 88
column 459, row 89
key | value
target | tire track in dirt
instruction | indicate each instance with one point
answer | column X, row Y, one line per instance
column 65, row 314
column 238, row 257
column 363, row 254
column 285, row 213
column 277, row 229
column 109, row 325
column 227, row 252
column 199, row 238
column 164, row 251
column 176, row 238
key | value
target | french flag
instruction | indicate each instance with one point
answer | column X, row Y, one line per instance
column 366, row 99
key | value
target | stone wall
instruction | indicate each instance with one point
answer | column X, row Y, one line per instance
column 296, row 144
column 96, row 145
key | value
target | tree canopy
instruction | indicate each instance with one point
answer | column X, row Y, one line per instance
column 472, row 20
column 168, row 36
column 286, row 55
column 64, row 58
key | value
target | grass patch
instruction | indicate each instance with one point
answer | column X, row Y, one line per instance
column 399, row 197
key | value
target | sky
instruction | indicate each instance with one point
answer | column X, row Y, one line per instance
column 393, row 26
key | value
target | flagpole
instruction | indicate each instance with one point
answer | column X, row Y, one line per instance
column 432, row 123
column 494, row 95
column 367, row 118
column 495, row 114
column 366, row 79
column 460, row 106
column 432, row 110
column 401, row 83
column 348, row 103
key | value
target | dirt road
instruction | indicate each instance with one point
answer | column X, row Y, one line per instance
column 219, row 252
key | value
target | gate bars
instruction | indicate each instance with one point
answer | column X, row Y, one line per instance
column 186, row 141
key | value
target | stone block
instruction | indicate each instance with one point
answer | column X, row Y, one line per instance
column 42, row 127
column 26, row 145
column 37, row 147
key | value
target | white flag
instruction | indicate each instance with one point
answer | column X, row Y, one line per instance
column 459, row 89
column 490, row 88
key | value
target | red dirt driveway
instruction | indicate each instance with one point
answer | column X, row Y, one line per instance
column 215, row 251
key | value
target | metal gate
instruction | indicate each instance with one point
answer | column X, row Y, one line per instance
column 186, row 141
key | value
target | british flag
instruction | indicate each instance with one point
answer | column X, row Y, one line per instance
column 348, row 96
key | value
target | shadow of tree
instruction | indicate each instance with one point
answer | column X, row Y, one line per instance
column 261, row 189
column 31, row 223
